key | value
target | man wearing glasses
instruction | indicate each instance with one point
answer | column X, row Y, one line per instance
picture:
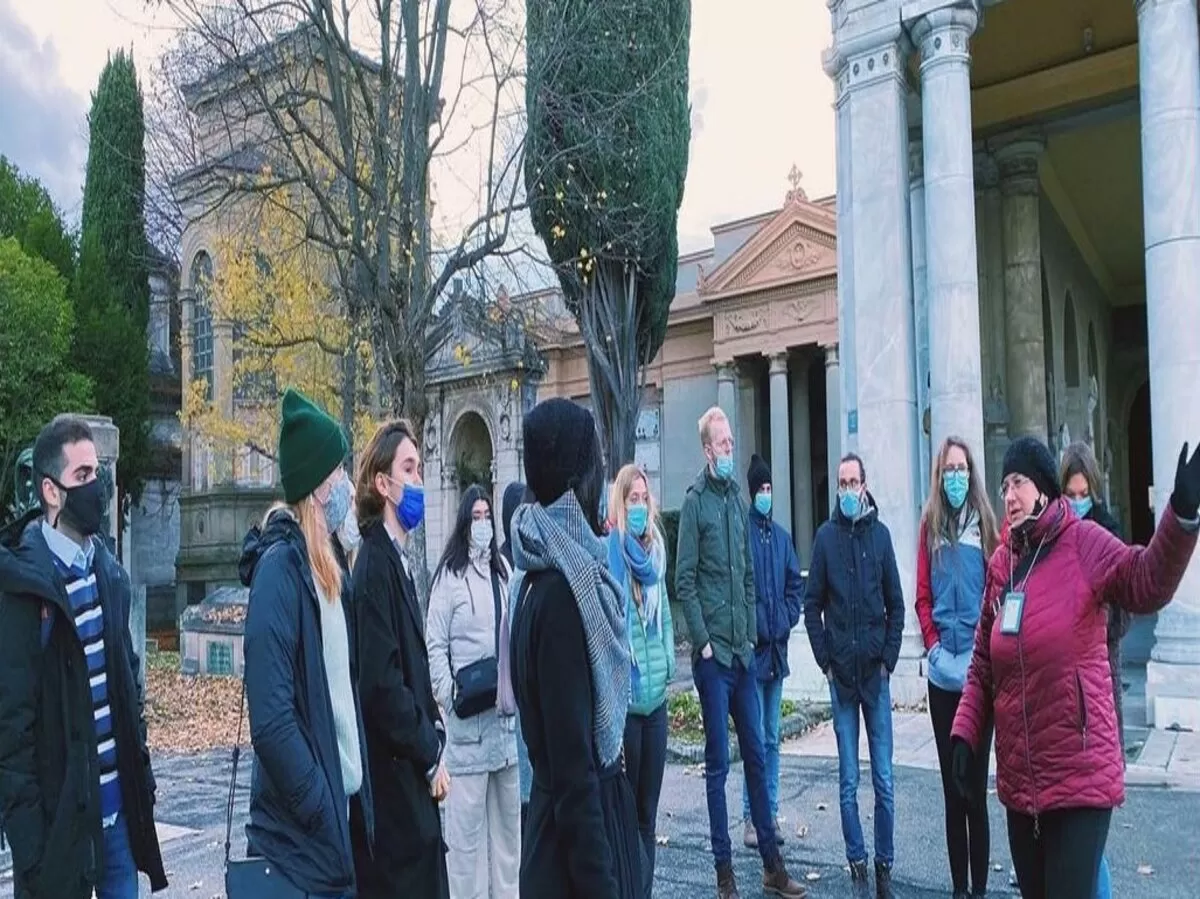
column 854, row 615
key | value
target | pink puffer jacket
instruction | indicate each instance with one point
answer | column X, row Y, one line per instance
column 1049, row 687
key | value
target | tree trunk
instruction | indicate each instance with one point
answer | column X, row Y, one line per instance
column 349, row 394
column 615, row 373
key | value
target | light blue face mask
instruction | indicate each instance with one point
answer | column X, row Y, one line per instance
column 1082, row 506
column 955, row 484
column 723, row 467
column 850, row 503
column 762, row 502
column 637, row 517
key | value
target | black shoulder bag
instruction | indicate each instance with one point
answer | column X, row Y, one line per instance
column 251, row 878
column 475, row 684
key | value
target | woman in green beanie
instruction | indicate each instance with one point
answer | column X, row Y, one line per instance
column 310, row 799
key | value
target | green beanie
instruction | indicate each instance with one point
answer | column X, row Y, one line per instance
column 311, row 445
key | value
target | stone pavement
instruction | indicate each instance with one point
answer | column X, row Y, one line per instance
column 1157, row 758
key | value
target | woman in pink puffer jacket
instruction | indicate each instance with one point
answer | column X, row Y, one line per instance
column 1040, row 666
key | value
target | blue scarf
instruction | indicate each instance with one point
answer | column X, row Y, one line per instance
column 628, row 558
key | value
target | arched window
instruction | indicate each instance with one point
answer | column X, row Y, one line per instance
column 1070, row 344
column 202, row 334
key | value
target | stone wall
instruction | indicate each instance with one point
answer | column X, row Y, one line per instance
column 684, row 401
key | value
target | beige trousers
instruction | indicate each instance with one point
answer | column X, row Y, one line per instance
column 483, row 833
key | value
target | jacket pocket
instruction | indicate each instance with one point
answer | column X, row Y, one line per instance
column 1082, row 702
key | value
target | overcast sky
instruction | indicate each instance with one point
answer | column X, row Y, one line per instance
column 761, row 102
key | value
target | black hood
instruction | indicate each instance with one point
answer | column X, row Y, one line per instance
column 281, row 527
column 25, row 562
column 514, row 494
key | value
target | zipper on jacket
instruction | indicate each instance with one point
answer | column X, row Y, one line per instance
column 1037, row 830
column 1083, row 721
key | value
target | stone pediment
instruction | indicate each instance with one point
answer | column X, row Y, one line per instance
column 798, row 245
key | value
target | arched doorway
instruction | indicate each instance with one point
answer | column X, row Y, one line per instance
column 471, row 453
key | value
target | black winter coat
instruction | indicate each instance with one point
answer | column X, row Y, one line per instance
column 298, row 805
column 405, row 736
column 854, row 603
column 49, row 782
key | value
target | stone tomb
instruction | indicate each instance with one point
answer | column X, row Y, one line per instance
column 210, row 633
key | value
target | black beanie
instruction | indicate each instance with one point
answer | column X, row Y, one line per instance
column 560, row 448
column 1031, row 458
column 757, row 474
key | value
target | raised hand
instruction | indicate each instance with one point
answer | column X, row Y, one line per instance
column 1185, row 500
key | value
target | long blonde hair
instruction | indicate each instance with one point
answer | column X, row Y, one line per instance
column 940, row 520
column 618, row 511
column 318, row 544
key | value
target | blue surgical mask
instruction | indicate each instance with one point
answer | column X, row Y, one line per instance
column 762, row 502
column 850, row 503
column 1082, row 506
column 637, row 517
column 411, row 509
column 337, row 507
column 955, row 484
column 723, row 467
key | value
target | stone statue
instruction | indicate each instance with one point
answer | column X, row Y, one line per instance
column 24, row 490
column 1089, row 433
column 1108, row 467
column 1064, row 439
column 995, row 410
column 109, row 487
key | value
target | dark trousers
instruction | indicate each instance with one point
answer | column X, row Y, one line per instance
column 968, row 838
column 645, row 759
column 724, row 693
column 1059, row 858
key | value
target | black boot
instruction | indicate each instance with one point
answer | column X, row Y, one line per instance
column 883, row 881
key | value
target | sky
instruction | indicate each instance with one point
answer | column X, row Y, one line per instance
column 760, row 100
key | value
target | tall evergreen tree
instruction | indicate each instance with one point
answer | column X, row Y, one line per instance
column 606, row 156
column 112, row 292
column 28, row 214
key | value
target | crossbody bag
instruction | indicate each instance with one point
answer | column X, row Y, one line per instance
column 476, row 685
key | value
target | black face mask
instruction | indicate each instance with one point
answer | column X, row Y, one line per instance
column 83, row 507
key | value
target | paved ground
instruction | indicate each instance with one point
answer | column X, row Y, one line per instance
column 1158, row 827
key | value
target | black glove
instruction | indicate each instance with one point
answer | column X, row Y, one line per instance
column 962, row 759
column 1185, row 500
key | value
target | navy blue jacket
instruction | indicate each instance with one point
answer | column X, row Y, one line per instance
column 298, row 806
column 780, row 589
column 853, row 602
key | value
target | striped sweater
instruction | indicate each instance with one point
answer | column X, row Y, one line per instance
column 77, row 571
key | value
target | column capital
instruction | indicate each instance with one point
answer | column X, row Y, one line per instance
column 831, row 356
column 870, row 56
column 987, row 171
column 778, row 363
column 1018, row 157
column 943, row 35
column 726, row 369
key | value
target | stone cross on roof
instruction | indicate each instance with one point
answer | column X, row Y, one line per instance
column 796, row 194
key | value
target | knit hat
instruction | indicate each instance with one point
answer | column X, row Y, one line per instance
column 560, row 448
column 757, row 474
column 311, row 445
column 1031, row 458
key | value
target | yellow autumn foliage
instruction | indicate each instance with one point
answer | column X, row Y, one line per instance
column 275, row 290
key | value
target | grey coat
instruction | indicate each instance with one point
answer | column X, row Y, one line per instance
column 461, row 630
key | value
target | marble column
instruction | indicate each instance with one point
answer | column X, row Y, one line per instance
column 955, row 372
column 1025, row 355
column 833, row 418
column 801, row 464
column 727, row 391
column 781, row 452
column 875, row 301
column 916, row 205
column 1169, row 76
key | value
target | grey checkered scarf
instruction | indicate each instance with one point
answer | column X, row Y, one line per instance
column 558, row 538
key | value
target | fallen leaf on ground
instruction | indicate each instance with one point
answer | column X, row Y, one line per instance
column 821, row 806
column 190, row 713
column 802, row 831
column 1145, row 870
column 662, row 839
column 812, row 875
column 195, row 886
column 997, row 867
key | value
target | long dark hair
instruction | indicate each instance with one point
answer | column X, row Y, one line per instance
column 940, row 520
column 457, row 552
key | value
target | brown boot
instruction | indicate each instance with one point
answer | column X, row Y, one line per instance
column 726, row 884
column 776, row 881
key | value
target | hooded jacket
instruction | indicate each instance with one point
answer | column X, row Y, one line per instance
column 1048, row 685
column 780, row 590
column 49, row 781
column 853, row 601
column 300, row 817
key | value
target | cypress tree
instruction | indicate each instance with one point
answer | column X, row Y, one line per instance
column 112, row 290
column 606, row 157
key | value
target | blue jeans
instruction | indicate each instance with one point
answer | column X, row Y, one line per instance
column 877, row 715
column 1104, row 883
column 770, row 699
column 120, row 880
column 725, row 692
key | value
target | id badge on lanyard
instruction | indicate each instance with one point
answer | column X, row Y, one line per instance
column 1010, row 615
